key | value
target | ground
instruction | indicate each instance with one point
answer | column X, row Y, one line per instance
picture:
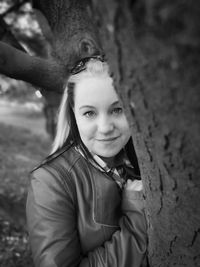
column 23, row 144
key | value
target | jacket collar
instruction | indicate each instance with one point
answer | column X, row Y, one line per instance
column 113, row 171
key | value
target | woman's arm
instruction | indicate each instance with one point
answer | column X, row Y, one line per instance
column 51, row 218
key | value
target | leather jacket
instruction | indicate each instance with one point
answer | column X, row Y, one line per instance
column 78, row 216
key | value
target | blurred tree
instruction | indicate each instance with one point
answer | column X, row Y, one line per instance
column 153, row 48
column 19, row 28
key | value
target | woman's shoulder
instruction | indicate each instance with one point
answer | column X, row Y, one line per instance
column 53, row 176
column 55, row 172
column 62, row 160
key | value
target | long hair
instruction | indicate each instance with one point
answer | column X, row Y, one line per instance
column 67, row 130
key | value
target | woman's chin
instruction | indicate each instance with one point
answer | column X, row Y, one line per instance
column 107, row 153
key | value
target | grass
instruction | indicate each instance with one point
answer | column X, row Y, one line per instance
column 20, row 151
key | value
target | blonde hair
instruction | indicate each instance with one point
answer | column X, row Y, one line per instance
column 66, row 120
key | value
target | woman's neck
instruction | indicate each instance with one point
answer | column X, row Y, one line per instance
column 109, row 161
column 114, row 161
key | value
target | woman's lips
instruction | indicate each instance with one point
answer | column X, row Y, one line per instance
column 107, row 139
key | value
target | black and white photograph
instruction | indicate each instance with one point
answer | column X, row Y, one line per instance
column 99, row 133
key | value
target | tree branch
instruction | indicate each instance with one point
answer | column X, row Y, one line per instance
column 40, row 72
column 71, row 35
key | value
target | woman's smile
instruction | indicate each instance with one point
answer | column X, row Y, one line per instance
column 110, row 139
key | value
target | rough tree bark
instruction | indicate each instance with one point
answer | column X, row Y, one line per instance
column 158, row 80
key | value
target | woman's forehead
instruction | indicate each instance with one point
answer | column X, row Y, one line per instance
column 96, row 82
column 95, row 89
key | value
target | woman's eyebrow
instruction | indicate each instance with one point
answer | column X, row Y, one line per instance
column 86, row 106
column 115, row 103
column 90, row 106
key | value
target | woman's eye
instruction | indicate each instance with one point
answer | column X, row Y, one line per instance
column 89, row 114
column 117, row 111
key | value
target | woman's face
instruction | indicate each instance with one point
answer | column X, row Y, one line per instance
column 101, row 122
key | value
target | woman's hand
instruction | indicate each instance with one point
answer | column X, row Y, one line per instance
column 135, row 185
column 132, row 199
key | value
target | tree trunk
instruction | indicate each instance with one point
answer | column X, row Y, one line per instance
column 158, row 80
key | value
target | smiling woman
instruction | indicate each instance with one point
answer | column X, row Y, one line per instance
column 85, row 202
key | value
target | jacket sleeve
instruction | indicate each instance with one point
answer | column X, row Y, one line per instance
column 51, row 220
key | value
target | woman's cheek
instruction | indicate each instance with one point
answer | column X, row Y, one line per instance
column 85, row 127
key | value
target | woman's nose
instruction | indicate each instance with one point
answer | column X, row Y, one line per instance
column 105, row 125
